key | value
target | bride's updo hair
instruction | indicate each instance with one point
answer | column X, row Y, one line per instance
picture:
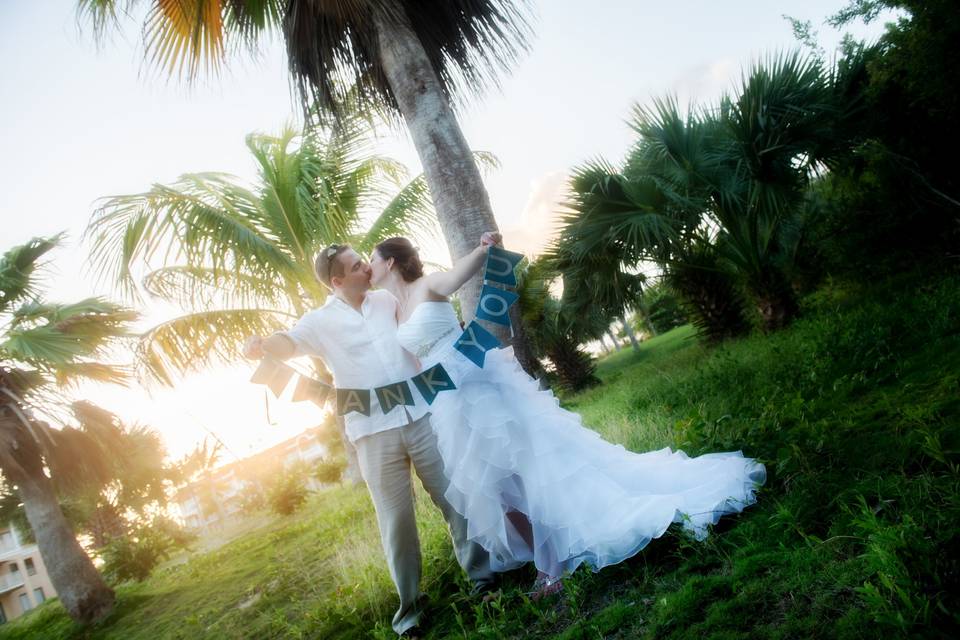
column 405, row 257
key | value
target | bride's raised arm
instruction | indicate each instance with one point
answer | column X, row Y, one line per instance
column 445, row 283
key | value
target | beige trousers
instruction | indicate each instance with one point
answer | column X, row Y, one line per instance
column 385, row 460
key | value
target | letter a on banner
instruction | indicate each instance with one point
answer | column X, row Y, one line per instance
column 394, row 395
column 353, row 400
column 500, row 266
column 495, row 304
column 433, row 381
column 474, row 343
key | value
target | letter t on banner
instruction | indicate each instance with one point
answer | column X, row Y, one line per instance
column 500, row 266
column 495, row 304
column 474, row 343
column 274, row 374
column 432, row 381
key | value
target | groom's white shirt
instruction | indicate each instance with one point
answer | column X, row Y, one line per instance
column 362, row 352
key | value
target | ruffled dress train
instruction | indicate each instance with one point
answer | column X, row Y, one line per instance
column 509, row 449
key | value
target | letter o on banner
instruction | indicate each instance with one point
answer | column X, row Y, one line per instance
column 484, row 304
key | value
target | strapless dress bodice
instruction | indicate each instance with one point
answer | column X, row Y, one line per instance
column 431, row 328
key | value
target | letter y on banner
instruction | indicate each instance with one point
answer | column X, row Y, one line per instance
column 500, row 266
column 474, row 343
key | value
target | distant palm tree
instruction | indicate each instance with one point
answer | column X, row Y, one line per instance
column 718, row 196
column 45, row 347
column 403, row 57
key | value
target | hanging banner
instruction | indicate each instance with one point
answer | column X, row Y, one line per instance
column 310, row 389
column 475, row 342
column 274, row 374
column 394, row 395
column 353, row 400
column 432, row 381
column 500, row 266
column 494, row 305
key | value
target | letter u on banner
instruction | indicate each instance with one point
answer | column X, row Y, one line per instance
column 393, row 395
column 495, row 304
column 500, row 266
column 353, row 400
column 432, row 381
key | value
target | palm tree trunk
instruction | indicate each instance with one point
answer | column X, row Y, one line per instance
column 81, row 589
column 461, row 200
column 613, row 339
column 630, row 334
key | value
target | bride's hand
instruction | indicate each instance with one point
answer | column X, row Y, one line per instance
column 488, row 238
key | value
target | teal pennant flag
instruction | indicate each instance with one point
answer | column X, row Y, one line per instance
column 432, row 381
column 474, row 343
column 500, row 266
column 274, row 374
column 394, row 395
column 353, row 400
column 310, row 389
column 495, row 304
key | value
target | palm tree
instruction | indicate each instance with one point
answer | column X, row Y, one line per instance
column 716, row 197
column 240, row 257
column 45, row 347
column 405, row 58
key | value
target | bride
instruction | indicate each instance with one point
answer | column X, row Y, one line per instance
column 533, row 483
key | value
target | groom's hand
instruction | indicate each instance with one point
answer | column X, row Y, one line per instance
column 253, row 348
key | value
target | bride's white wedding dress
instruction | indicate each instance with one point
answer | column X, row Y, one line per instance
column 508, row 446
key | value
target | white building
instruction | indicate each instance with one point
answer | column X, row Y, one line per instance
column 24, row 582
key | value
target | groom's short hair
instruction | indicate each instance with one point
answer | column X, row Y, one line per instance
column 327, row 267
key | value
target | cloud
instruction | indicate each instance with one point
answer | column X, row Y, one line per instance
column 538, row 222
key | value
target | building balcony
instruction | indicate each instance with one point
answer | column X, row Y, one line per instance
column 8, row 584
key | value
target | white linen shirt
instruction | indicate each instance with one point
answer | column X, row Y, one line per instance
column 362, row 351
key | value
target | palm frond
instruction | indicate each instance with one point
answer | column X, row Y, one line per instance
column 332, row 46
column 202, row 287
column 191, row 342
column 17, row 268
column 207, row 220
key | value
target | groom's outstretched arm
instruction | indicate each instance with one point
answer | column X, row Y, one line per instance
column 277, row 346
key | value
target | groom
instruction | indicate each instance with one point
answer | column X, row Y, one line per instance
column 355, row 334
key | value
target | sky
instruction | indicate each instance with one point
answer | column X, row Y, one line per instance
column 82, row 120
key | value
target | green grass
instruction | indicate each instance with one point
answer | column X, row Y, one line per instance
column 855, row 410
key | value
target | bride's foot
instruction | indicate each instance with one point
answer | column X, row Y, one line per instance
column 545, row 586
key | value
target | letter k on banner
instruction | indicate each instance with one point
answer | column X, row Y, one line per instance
column 433, row 381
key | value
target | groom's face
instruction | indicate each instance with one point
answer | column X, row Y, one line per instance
column 356, row 272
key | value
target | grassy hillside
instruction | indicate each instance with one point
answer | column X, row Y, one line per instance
column 855, row 410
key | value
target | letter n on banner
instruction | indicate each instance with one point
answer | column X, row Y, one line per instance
column 393, row 395
column 474, row 343
column 495, row 304
column 433, row 381
column 353, row 400
column 500, row 266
